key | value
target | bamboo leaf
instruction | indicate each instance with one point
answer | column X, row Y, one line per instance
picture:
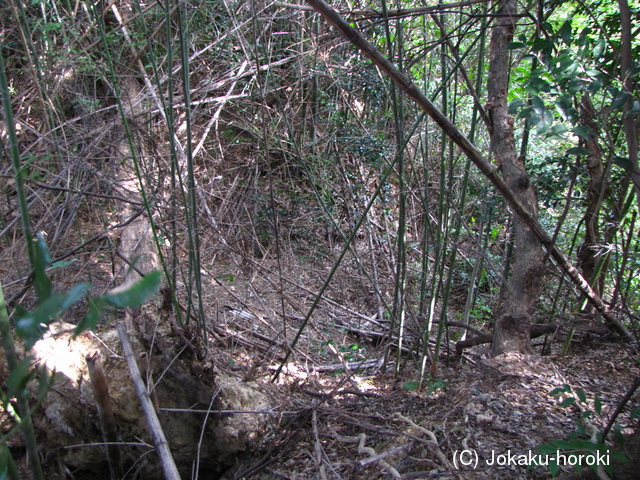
column 30, row 326
column 90, row 320
column 136, row 294
column 41, row 281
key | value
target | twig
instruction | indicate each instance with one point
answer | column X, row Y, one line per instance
column 623, row 402
column 362, row 450
column 155, row 429
column 433, row 442
column 317, row 446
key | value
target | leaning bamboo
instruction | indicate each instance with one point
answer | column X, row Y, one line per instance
column 474, row 155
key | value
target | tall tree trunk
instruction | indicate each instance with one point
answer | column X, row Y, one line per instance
column 630, row 123
column 589, row 250
column 519, row 295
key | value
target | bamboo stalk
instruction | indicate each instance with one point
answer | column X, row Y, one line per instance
column 474, row 155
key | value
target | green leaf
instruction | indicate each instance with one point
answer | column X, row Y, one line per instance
column 576, row 444
column 62, row 264
column 547, row 448
column 619, row 455
column 567, row 402
column 619, row 100
column 545, row 124
column 411, row 385
column 537, row 85
column 623, row 162
column 41, row 281
column 136, row 294
column 557, row 129
column 557, row 391
column 538, row 105
column 594, row 86
column 565, row 32
column 581, row 395
column 515, row 45
column 583, row 38
column 514, row 105
column 542, row 44
column 598, row 49
column 92, row 317
column 597, row 404
column 31, row 326
column 574, row 86
column 583, row 132
column 578, row 151
column 19, row 377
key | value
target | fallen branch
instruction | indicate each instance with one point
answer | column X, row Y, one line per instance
column 155, row 429
column 482, row 338
column 362, row 450
column 432, row 442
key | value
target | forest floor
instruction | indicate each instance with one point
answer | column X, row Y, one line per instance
column 338, row 412
column 480, row 418
column 486, row 415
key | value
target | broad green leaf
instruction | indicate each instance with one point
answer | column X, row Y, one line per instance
column 41, row 281
column 545, row 124
column 537, row 85
column 516, row 45
column 92, row 317
column 567, row 402
column 581, row 395
column 594, row 73
column 565, row 107
column 595, row 86
column 514, row 105
column 19, row 377
column 565, row 32
column 598, row 49
column 557, row 391
column 635, row 413
column 557, row 129
column 31, row 326
column 623, row 162
column 525, row 112
column 542, row 44
column 538, row 105
column 583, row 132
column 136, row 294
column 574, row 86
column 583, row 38
column 597, row 404
column 619, row 100
column 578, row 151
column 547, row 448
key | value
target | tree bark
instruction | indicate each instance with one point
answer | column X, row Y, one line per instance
column 589, row 250
column 630, row 123
column 519, row 295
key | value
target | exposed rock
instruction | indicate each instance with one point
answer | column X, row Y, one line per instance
column 68, row 427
